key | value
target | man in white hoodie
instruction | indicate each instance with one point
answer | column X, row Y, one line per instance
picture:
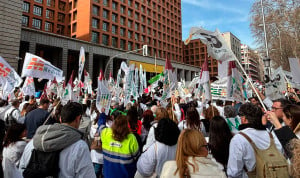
column 74, row 159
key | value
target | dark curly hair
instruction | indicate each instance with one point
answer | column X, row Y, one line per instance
column 167, row 132
column 253, row 114
column 147, row 119
column 193, row 119
column 13, row 134
column 120, row 128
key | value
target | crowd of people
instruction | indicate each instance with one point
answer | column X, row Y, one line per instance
column 185, row 139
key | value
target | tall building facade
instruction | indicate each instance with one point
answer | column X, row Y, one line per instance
column 195, row 53
column 56, row 29
column 234, row 43
column 250, row 62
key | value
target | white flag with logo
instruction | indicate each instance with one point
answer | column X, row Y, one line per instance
column 28, row 87
column 275, row 85
column 37, row 67
column 216, row 45
column 9, row 77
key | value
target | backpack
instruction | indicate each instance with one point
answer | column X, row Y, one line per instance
column 10, row 120
column 270, row 163
column 42, row 164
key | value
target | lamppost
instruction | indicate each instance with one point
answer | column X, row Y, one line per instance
column 267, row 65
column 264, row 24
column 145, row 53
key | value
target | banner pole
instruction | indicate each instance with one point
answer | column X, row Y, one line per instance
column 251, row 84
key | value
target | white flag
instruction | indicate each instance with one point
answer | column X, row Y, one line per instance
column 37, row 67
column 28, row 87
column 295, row 69
column 104, row 96
column 216, row 45
column 8, row 77
column 81, row 62
column 275, row 85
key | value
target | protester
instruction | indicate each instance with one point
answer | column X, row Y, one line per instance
column 219, row 139
column 37, row 117
column 192, row 121
column 209, row 113
column 241, row 153
column 26, row 100
column 147, row 121
column 74, row 157
column 120, row 149
column 162, row 150
column 13, row 148
column 191, row 158
column 13, row 114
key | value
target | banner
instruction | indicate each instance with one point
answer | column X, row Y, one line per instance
column 295, row 69
column 104, row 96
column 219, row 89
column 128, row 83
column 275, row 85
column 216, row 45
column 9, row 78
column 81, row 62
column 28, row 87
column 37, row 67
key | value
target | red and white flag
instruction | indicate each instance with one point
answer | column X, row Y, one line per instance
column 170, row 80
column 204, row 81
column 68, row 94
column 28, row 87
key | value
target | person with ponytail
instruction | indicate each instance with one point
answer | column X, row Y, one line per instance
column 192, row 158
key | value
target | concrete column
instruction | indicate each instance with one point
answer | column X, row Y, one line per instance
column 64, row 60
column 188, row 77
column 90, row 64
column 182, row 74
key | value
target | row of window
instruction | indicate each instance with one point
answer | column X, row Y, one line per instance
column 37, row 23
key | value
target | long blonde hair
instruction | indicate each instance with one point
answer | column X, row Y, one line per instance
column 189, row 144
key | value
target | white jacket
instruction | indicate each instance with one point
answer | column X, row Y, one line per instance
column 151, row 137
column 154, row 158
column 242, row 154
column 207, row 168
column 11, row 159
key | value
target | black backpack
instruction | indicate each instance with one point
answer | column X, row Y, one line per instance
column 42, row 164
column 10, row 120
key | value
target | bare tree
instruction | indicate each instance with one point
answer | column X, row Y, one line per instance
column 282, row 19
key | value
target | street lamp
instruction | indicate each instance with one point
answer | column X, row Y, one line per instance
column 145, row 53
column 264, row 24
column 267, row 64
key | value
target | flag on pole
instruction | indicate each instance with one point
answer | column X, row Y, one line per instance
column 9, row 78
column 204, row 81
column 295, row 69
column 155, row 78
column 87, row 82
column 234, row 83
column 28, row 87
column 276, row 84
column 169, row 83
column 44, row 94
column 104, row 96
column 81, row 62
column 216, row 45
column 37, row 67
column 68, row 94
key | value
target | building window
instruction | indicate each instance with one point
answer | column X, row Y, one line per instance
column 122, row 31
column 114, row 42
column 61, row 6
column 137, row 46
column 129, row 24
column 48, row 27
column 51, row 3
column 143, row 9
column 74, row 27
column 136, row 26
column 114, row 18
column 95, row 10
column 95, row 37
column 123, row 9
column 148, row 31
column 105, row 26
column 143, row 19
column 95, row 23
column 75, row 15
column 129, row 13
column 37, row 10
column 114, row 29
column 142, row 38
column 25, row 7
column 39, row 1
column 143, row 28
column 49, row 14
column 122, row 44
column 129, row 35
column 105, row 3
column 136, row 37
column 25, row 21
column 122, row 20
column 61, row 17
column 36, row 23
column 130, row 46
column 105, row 14
column 129, row 2
column 136, row 5
column 60, row 29
column 105, row 39
column 136, row 16
column 75, row 3
column 114, row 5
column 96, row 1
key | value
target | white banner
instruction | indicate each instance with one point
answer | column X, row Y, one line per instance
column 216, row 45
column 276, row 85
column 37, row 67
column 104, row 96
column 28, row 87
column 295, row 69
column 81, row 62
column 8, row 77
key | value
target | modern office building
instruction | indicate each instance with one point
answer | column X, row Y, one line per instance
column 55, row 30
column 250, row 62
column 196, row 52
column 234, row 43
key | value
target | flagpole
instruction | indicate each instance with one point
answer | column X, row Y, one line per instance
column 251, row 84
